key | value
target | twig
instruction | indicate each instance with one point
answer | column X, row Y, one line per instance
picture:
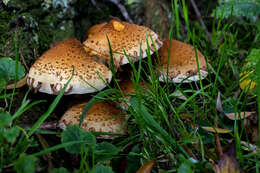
column 197, row 87
column 200, row 18
column 189, row 152
column 122, row 9
column 23, row 60
column 95, row 4
column 34, row 53
column 218, row 144
column 43, row 126
column 48, row 156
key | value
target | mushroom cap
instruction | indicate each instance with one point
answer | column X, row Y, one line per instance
column 101, row 117
column 128, row 88
column 53, row 69
column 94, row 29
column 182, row 65
column 122, row 36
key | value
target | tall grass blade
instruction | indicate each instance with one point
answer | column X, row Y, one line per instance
column 51, row 108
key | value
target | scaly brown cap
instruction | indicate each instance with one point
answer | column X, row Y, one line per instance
column 101, row 117
column 182, row 62
column 53, row 69
column 122, row 36
column 128, row 88
column 94, row 29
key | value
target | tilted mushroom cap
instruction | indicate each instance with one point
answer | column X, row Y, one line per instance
column 94, row 29
column 121, row 35
column 53, row 69
column 101, row 117
column 182, row 65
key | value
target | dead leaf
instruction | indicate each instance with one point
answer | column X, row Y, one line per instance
column 179, row 95
column 219, row 104
column 246, row 84
column 147, row 167
column 249, row 147
column 216, row 130
column 227, row 163
column 19, row 84
column 186, row 116
column 242, row 116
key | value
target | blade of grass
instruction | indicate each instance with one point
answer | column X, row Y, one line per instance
column 141, row 110
column 51, row 107
column 57, row 147
column 258, row 103
column 16, row 68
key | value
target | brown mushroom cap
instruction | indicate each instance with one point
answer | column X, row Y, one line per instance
column 122, row 35
column 128, row 88
column 101, row 117
column 94, row 29
column 53, row 69
column 182, row 62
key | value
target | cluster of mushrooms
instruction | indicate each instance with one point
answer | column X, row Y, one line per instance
column 52, row 70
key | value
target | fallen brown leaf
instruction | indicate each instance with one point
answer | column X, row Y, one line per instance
column 179, row 95
column 242, row 115
column 219, row 104
column 186, row 116
column 227, row 163
column 147, row 167
column 19, row 84
column 216, row 130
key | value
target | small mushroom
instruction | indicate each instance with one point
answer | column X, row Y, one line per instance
column 101, row 117
column 182, row 65
column 52, row 70
column 122, row 36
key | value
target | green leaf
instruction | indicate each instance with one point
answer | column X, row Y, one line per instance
column 102, row 169
column 74, row 133
column 60, row 170
column 248, row 75
column 258, row 98
column 132, row 160
column 105, row 151
column 7, row 70
column 185, row 168
column 11, row 134
column 186, row 165
column 25, row 164
column 239, row 8
column 5, row 119
column 6, row 1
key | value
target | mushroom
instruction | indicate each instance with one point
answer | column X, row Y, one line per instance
column 94, row 29
column 122, row 36
column 52, row 70
column 101, row 117
column 182, row 65
column 128, row 88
